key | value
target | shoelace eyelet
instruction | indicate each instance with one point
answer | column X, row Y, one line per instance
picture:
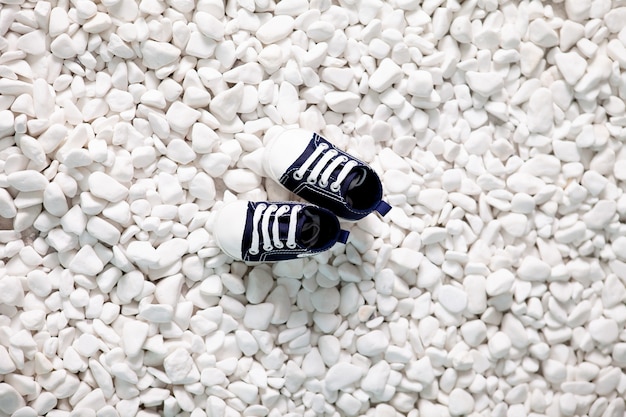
column 323, row 184
column 311, row 180
column 297, row 176
column 334, row 187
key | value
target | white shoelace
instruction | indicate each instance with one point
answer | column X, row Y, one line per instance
column 330, row 156
column 263, row 213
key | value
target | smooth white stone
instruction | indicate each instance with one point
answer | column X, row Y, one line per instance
column 119, row 100
column 203, row 187
column 372, row 343
column 499, row 282
column 99, row 23
column 571, row 65
column 604, row 331
column 156, row 313
column 106, row 187
column 32, row 43
column 275, row 29
column 178, row 365
column 259, row 285
column 181, row 117
column 578, row 10
column 460, row 402
column 342, row 101
column 130, row 286
column 7, row 206
column 241, row 180
column 258, row 316
column 533, row 269
column 514, row 224
column 452, row 298
column 142, row 253
column 209, row 25
column 554, row 371
column 59, row 21
column 171, row 251
column 11, row 399
column 326, row 300
column 594, row 182
column 614, row 19
column 499, row 345
column 484, row 83
column 134, row 335
column 420, row 83
column 376, row 378
column 249, row 73
column 226, row 103
column 342, row 375
column 461, row 29
column 159, row 54
column 103, row 231
column 600, row 215
column 341, row 78
column 86, row 261
column 27, row 180
column 474, row 332
column 542, row 34
column 170, row 189
column 387, row 73
column 613, row 292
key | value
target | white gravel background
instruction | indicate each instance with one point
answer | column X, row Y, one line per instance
column 495, row 287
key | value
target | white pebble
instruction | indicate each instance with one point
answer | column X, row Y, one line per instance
column 159, row 54
column 387, row 73
column 499, row 345
column 241, row 180
column 452, row 298
column 372, row 343
column 258, row 316
column 499, row 282
column 181, row 117
column 156, row 313
column 86, row 261
column 106, row 187
column 533, row 269
column 326, row 300
column 484, row 83
column 460, row 402
column 604, row 331
column 275, row 29
column 342, row 375
column 27, row 180
column 178, row 365
column 342, row 101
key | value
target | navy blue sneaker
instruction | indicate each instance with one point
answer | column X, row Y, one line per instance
column 313, row 168
column 275, row 231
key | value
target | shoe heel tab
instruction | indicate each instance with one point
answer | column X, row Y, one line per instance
column 343, row 236
column 382, row 208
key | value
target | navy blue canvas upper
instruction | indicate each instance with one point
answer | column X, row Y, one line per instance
column 334, row 200
column 332, row 233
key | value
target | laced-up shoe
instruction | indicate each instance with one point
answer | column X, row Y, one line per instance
column 275, row 231
column 313, row 168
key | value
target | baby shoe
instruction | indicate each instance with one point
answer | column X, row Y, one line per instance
column 275, row 231
column 313, row 168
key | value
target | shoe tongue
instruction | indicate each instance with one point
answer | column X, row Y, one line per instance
column 309, row 228
column 354, row 178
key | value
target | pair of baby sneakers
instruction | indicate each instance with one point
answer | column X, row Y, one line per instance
column 335, row 183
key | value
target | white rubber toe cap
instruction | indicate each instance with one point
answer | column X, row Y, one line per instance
column 229, row 226
column 283, row 151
